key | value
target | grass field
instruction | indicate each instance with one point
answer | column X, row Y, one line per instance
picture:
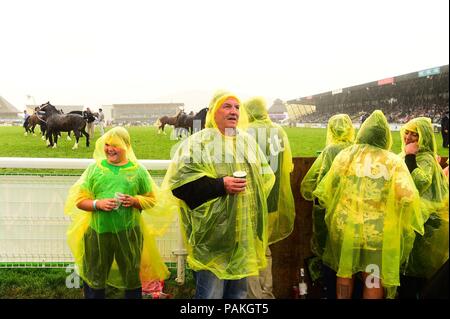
column 147, row 144
column 31, row 283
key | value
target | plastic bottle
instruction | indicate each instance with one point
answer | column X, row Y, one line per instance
column 302, row 286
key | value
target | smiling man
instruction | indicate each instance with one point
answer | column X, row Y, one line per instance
column 223, row 180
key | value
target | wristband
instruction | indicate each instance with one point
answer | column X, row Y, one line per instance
column 94, row 204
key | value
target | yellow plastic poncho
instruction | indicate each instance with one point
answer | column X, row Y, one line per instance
column 372, row 207
column 226, row 235
column 274, row 142
column 122, row 237
column 340, row 134
column 430, row 251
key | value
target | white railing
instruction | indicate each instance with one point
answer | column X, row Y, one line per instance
column 32, row 223
column 68, row 163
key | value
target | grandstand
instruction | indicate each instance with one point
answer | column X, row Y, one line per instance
column 420, row 93
column 8, row 113
column 147, row 113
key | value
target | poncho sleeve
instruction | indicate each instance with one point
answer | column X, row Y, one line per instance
column 422, row 175
column 159, row 208
column 309, row 182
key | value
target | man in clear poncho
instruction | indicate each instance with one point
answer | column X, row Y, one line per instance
column 372, row 212
column 430, row 251
column 116, row 209
column 223, row 218
column 340, row 134
column 274, row 142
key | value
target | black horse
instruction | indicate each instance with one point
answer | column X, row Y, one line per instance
column 85, row 115
column 192, row 123
column 57, row 122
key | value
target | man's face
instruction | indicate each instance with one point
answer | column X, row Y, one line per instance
column 410, row 137
column 227, row 115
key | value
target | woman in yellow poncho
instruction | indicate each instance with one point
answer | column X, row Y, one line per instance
column 430, row 251
column 114, row 208
column 274, row 142
column 372, row 211
column 340, row 134
column 223, row 218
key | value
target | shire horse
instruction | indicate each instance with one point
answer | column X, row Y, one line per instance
column 57, row 123
column 167, row 120
column 34, row 120
column 38, row 118
column 84, row 114
column 192, row 123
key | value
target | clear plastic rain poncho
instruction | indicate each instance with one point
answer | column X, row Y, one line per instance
column 430, row 251
column 372, row 207
column 274, row 142
column 118, row 247
column 340, row 134
column 226, row 235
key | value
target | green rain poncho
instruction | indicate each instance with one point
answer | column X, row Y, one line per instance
column 340, row 134
column 372, row 207
column 226, row 235
column 274, row 142
column 430, row 251
column 117, row 247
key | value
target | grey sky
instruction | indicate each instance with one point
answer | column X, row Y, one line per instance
column 103, row 52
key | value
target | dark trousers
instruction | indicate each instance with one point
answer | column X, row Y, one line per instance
column 437, row 286
column 445, row 139
column 420, row 288
column 101, row 249
column 90, row 293
column 410, row 287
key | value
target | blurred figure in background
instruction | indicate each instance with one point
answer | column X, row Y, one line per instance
column 444, row 129
column 90, row 119
column 26, row 118
column 101, row 121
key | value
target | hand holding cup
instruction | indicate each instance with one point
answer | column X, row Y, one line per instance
column 235, row 184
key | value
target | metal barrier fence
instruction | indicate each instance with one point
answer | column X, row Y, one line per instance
column 32, row 221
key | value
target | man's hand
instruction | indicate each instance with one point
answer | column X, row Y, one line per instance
column 412, row 148
column 234, row 185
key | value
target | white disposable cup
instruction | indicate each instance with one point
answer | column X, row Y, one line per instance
column 240, row 174
column 117, row 196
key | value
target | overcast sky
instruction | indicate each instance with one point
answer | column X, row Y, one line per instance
column 95, row 53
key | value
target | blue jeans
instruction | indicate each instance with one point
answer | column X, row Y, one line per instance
column 208, row 286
